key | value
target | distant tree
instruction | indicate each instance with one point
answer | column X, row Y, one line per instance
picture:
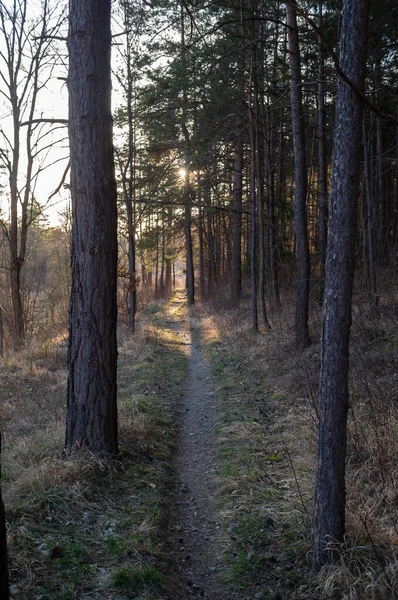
column 4, row 591
column 300, row 166
column 329, row 517
column 26, row 66
column 91, row 403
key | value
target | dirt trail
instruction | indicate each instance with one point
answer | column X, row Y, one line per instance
column 195, row 532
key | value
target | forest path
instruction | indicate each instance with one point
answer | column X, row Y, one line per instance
column 195, row 534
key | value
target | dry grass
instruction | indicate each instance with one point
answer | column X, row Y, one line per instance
column 85, row 527
column 270, row 393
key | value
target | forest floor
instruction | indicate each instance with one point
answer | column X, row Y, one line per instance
column 211, row 494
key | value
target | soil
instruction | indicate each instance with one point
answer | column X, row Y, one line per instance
column 195, row 533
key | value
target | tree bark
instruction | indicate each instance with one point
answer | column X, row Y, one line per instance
column 369, row 232
column 91, row 403
column 4, row 588
column 253, row 224
column 322, row 167
column 329, row 513
column 260, row 195
column 190, row 276
column 300, row 166
column 236, row 222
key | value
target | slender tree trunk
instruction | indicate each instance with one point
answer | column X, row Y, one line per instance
column 190, row 277
column 1, row 333
column 260, row 196
column 270, row 229
column 201, row 255
column 163, row 262
column 253, row 224
column 91, row 403
column 300, row 199
column 329, row 514
column 236, row 222
column 395, row 212
column 211, row 271
column 322, row 168
column 382, row 199
column 372, row 281
column 4, row 590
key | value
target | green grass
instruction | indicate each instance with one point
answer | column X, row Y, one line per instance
column 269, row 533
column 85, row 527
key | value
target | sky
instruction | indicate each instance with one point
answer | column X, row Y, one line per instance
column 52, row 103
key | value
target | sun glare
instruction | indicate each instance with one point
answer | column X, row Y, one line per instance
column 182, row 173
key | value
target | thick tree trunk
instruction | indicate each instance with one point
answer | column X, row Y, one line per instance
column 329, row 515
column 4, row 590
column 300, row 199
column 236, row 223
column 91, row 403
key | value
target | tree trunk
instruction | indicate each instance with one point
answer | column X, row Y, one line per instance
column 300, row 199
column 91, row 403
column 369, row 232
column 260, row 195
column 329, row 515
column 381, row 192
column 322, row 168
column 4, row 591
column 253, row 225
column 190, row 276
column 270, row 229
column 201, row 255
column 1, row 333
column 236, row 222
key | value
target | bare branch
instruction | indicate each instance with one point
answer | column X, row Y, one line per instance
column 61, row 183
column 41, row 120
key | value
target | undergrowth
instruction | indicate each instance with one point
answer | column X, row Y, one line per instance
column 86, row 527
column 267, row 433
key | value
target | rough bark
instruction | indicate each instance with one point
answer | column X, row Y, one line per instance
column 322, row 167
column 91, row 404
column 300, row 166
column 381, row 193
column 202, row 284
column 329, row 513
column 369, row 232
column 260, row 195
column 4, row 589
column 1, row 333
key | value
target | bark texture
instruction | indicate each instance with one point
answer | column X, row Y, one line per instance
column 91, row 404
column 329, row 516
column 300, row 167
column 236, row 223
column 4, row 591
column 322, row 171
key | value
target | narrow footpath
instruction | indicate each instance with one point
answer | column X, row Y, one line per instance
column 195, row 533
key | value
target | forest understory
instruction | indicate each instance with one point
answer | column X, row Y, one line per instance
column 87, row 527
